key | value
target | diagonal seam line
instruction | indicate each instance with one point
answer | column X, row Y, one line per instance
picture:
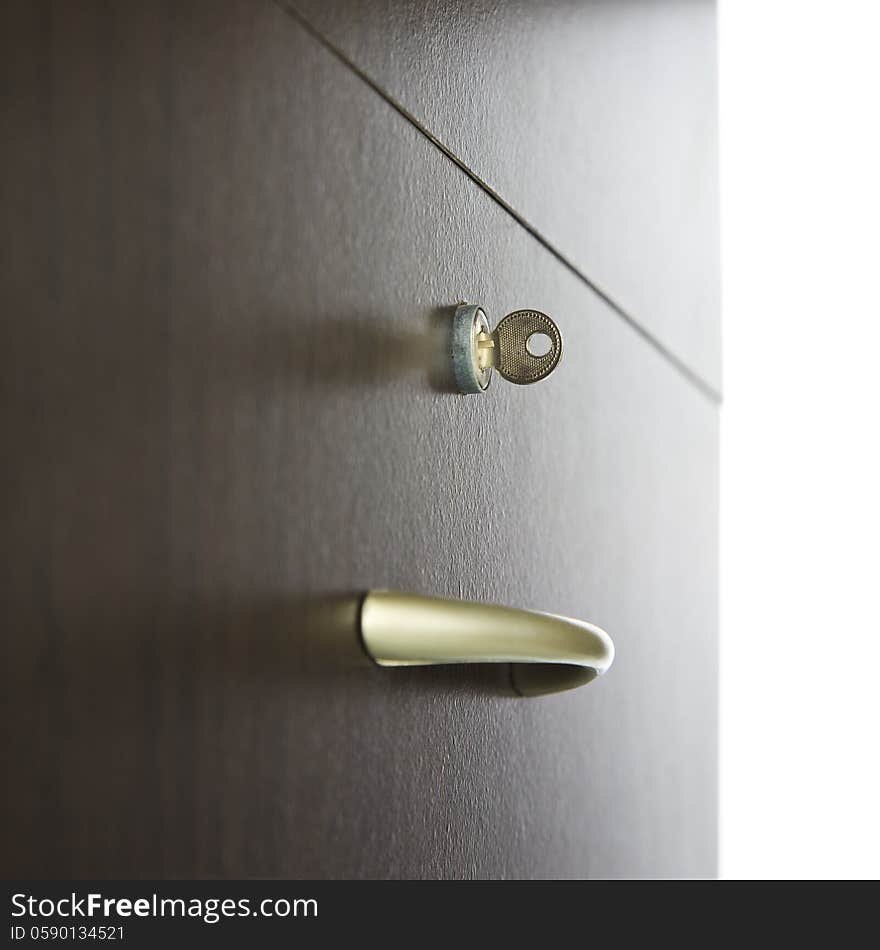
column 676, row 361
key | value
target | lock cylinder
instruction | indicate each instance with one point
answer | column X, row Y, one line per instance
column 525, row 347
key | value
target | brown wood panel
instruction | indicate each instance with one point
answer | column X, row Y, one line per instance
column 225, row 262
column 596, row 121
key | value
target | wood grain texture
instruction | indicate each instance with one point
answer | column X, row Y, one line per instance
column 596, row 121
column 225, row 262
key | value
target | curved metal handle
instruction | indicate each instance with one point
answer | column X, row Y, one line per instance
column 550, row 653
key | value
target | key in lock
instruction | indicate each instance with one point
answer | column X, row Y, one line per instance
column 525, row 346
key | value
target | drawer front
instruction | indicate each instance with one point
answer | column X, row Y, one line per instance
column 224, row 419
column 596, row 121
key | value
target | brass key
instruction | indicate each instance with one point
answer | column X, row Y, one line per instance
column 525, row 346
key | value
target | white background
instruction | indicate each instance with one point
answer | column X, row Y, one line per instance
column 800, row 525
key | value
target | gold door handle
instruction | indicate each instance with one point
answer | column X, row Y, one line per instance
column 549, row 653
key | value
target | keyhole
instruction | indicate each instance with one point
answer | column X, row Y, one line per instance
column 539, row 344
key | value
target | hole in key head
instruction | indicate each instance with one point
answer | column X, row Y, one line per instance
column 539, row 344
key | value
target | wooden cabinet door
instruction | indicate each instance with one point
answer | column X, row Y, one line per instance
column 228, row 270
